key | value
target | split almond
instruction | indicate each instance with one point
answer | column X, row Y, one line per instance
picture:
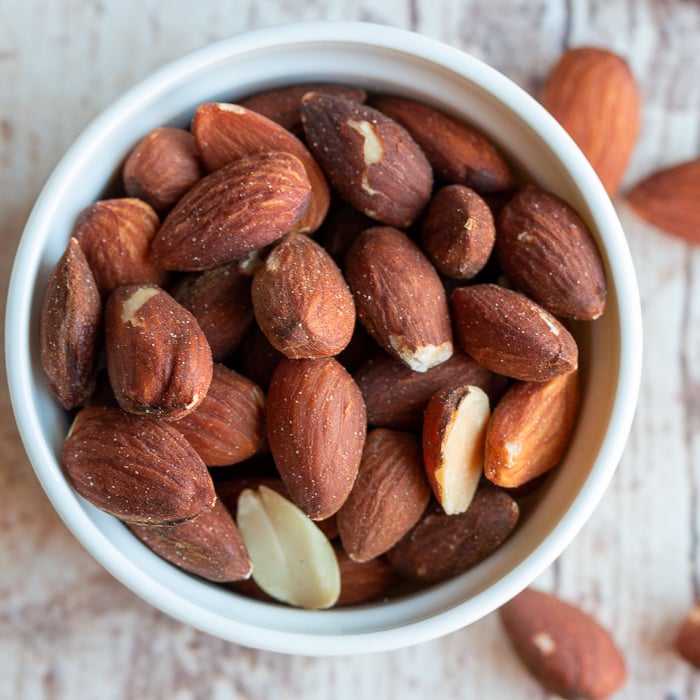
column 454, row 430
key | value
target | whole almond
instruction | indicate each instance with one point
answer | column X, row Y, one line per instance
column 458, row 153
column 70, row 328
column 687, row 641
column 399, row 297
column 361, row 582
column 158, row 359
column 564, row 648
column 301, row 300
column 530, row 429
column 548, row 252
column 257, row 359
column 389, row 495
column 509, row 334
column 139, row 469
column 316, row 425
column 370, row 159
column 592, row 93
column 241, row 207
column 669, row 200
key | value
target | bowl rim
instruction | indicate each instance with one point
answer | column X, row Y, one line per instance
column 20, row 374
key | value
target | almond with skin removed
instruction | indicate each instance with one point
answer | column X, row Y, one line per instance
column 158, row 359
column 293, row 561
column 592, row 93
column 688, row 637
column 139, row 469
column 316, row 425
column 440, row 546
column 389, row 495
column 361, row 582
column 669, row 200
column 530, row 429
column 229, row 425
column 399, row 297
column 162, row 167
column 458, row 153
column 509, row 334
column 240, row 208
column 454, row 429
column 548, row 252
column 226, row 132
column 70, row 328
column 115, row 235
column 301, row 300
column 209, row 545
column 370, row 159
column 565, row 649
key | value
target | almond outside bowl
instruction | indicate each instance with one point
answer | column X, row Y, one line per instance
column 378, row 58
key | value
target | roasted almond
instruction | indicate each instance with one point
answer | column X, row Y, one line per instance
column 361, row 582
column 257, row 359
column 687, row 642
column 139, row 469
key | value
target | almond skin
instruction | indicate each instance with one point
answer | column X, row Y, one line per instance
column 139, row 469
column 592, row 93
column 509, row 334
column 70, row 329
column 240, row 208
column 399, row 297
column 370, row 159
column 565, row 649
column 301, row 300
column 687, row 641
column 669, row 200
column 316, row 425
column 361, row 582
column 158, row 359
column 548, row 252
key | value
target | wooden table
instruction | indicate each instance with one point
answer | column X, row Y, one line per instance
column 68, row 630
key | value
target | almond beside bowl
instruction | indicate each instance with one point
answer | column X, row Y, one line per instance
column 385, row 61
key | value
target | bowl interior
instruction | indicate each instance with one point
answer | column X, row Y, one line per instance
column 381, row 59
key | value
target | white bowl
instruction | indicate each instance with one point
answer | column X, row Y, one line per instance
column 378, row 58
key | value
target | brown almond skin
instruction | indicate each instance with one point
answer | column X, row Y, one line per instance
column 530, row 429
column 509, row 334
column 389, row 496
column 370, row 159
column 70, row 329
column 361, row 582
column 458, row 153
column 257, row 359
column 565, row 649
column 399, row 297
column 301, row 300
column 209, row 545
column 162, row 167
column 229, row 425
column 687, row 642
column 139, row 469
column 440, row 546
column 316, row 425
column 240, row 208
column 548, row 252
column 158, row 359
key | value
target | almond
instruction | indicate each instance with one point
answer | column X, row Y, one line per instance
column 509, row 334
column 370, row 159
column 530, row 429
column 209, row 545
column 458, row 153
column 592, row 93
column 389, row 495
column 688, row 637
column 258, row 359
column 139, row 469
column 564, row 648
column 162, row 167
column 399, row 297
column 70, row 328
column 229, row 425
column 316, row 425
column 301, row 300
column 361, row 582
column 548, row 252
column 158, row 359
column 669, row 200
column 454, row 429
column 239, row 208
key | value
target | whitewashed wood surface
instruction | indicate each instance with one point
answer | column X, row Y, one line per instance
column 69, row 631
